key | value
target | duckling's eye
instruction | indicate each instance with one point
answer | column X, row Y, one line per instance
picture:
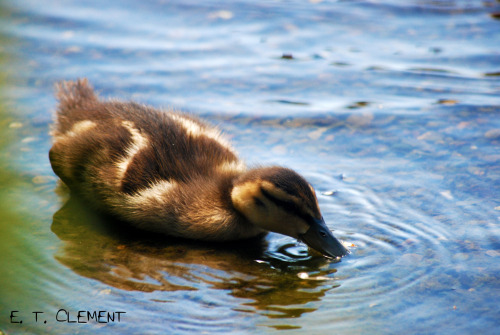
column 258, row 202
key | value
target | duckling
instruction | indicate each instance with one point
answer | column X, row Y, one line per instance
column 170, row 173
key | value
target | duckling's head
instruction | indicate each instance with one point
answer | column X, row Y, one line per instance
column 278, row 199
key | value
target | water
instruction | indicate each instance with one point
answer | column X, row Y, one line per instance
column 390, row 109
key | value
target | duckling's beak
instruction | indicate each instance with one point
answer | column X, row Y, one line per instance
column 320, row 238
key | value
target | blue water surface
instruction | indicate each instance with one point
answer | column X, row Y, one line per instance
column 391, row 109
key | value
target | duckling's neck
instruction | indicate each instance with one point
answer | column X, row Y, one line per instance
column 211, row 206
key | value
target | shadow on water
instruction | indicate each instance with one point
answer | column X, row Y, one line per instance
column 274, row 283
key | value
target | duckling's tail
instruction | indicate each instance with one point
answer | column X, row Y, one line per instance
column 73, row 94
column 75, row 97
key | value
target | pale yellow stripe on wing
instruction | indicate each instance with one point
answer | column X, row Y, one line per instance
column 77, row 129
column 194, row 129
column 152, row 195
column 139, row 142
column 236, row 166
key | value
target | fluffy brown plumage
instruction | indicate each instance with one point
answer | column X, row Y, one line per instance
column 169, row 172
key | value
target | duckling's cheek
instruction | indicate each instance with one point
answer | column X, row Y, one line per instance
column 280, row 222
column 302, row 227
column 243, row 196
column 295, row 226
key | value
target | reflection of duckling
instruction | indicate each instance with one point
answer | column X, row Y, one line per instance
column 170, row 173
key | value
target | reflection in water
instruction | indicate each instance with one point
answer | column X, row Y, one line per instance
column 104, row 249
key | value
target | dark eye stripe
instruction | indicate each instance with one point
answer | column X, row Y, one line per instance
column 258, row 202
column 288, row 206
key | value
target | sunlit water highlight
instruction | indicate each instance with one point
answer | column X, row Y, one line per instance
column 390, row 110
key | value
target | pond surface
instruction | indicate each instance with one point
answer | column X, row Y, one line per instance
column 391, row 109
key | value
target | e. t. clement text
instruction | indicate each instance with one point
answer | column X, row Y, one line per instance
column 66, row 316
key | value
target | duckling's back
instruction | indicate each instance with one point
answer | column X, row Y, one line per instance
column 115, row 154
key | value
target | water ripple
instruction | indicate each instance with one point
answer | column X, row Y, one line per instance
column 394, row 247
